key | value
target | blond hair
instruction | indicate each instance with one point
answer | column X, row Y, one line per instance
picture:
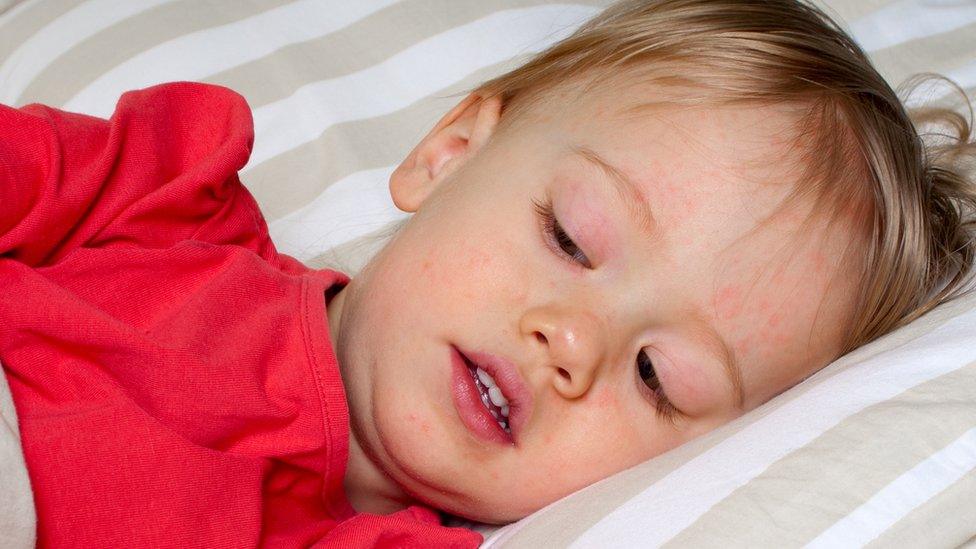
column 858, row 143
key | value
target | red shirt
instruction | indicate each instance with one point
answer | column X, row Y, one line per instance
column 172, row 372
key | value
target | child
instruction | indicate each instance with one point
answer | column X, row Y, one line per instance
column 655, row 226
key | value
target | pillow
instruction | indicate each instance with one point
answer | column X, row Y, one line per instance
column 16, row 502
column 879, row 446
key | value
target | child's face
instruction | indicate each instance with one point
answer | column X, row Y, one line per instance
column 475, row 270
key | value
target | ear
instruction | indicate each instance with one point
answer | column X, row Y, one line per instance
column 454, row 140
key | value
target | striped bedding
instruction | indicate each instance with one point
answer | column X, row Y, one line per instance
column 879, row 449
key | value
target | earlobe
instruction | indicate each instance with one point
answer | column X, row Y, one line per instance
column 455, row 139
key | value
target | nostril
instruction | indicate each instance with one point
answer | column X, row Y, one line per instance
column 564, row 373
column 541, row 338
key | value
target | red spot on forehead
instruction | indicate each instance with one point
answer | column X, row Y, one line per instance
column 728, row 302
column 819, row 262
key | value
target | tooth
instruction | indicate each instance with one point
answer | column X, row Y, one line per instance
column 505, row 410
column 485, row 378
column 494, row 413
column 496, row 397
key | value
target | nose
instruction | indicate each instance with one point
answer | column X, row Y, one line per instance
column 572, row 341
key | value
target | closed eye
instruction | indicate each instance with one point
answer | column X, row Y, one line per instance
column 556, row 237
column 651, row 384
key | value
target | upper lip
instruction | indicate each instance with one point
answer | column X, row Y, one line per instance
column 509, row 380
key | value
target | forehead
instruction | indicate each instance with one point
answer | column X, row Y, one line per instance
column 716, row 171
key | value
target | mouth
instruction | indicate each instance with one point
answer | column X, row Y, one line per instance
column 489, row 395
column 492, row 396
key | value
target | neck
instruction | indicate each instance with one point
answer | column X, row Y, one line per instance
column 368, row 489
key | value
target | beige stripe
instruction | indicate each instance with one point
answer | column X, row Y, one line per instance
column 947, row 520
column 939, row 53
column 92, row 58
column 361, row 144
column 564, row 523
column 801, row 495
column 18, row 28
column 349, row 147
column 358, row 46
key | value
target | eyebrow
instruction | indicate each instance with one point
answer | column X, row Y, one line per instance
column 629, row 192
column 641, row 214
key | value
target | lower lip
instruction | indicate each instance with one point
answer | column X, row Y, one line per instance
column 467, row 400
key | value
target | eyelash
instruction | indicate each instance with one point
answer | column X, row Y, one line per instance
column 665, row 409
column 558, row 241
column 556, row 237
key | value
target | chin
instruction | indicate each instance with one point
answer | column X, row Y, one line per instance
column 496, row 513
column 451, row 486
column 482, row 502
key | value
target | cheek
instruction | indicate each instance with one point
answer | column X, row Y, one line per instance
column 606, row 399
column 419, row 424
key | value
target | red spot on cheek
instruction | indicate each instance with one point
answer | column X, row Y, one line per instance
column 606, row 398
column 479, row 260
column 422, row 425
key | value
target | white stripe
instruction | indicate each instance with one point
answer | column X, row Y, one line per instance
column 679, row 499
column 409, row 76
column 348, row 209
column 200, row 54
column 902, row 496
column 907, row 20
column 58, row 37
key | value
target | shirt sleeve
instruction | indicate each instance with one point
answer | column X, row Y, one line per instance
column 163, row 169
column 411, row 528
